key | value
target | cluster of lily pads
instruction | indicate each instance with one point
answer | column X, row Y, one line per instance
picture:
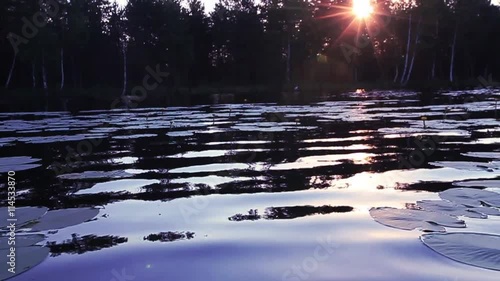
column 434, row 216
column 30, row 222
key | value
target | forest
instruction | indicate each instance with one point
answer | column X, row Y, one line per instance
column 52, row 46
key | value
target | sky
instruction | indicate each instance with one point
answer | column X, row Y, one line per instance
column 210, row 4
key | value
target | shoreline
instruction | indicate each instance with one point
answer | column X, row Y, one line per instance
column 75, row 100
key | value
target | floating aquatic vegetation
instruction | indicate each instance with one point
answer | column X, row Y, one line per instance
column 487, row 211
column 200, row 154
column 21, row 240
column 22, row 214
column 476, row 249
column 487, row 140
column 358, row 147
column 56, row 219
column 26, row 258
column 180, row 133
column 170, row 236
column 209, row 180
column 216, row 167
column 88, row 243
column 132, row 186
column 137, row 136
column 125, row 160
column 479, row 183
column 309, row 162
column 469, row 166
column 408, row 219
column 449, row 208
column 96, row 175
column 17, row 163
column 342, row 127
column 471, row 197
column 394, row 132
column 62, row 138
column 485, row 155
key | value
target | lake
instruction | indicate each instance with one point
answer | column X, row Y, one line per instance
column 252, row 191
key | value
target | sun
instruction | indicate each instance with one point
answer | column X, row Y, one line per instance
column 362, row 8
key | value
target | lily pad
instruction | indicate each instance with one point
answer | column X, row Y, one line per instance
column 476, row 249
column 471, row 197
column 485, row 155
column 21, row 240
column 479, row 183
column 18, row 163
column 490, row 211
column 449, row 208
column 124, row 185
column 26, row 258
column 57, row 219
column 96, row 175
column 407, row 219
column 468, row 166
column 22, row 214
column 180, row 133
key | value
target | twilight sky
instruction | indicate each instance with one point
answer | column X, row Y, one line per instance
column 209, row 4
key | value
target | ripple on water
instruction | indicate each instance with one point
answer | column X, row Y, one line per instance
column 317, row 171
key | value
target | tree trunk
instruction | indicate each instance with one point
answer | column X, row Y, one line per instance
column 411, row 67
column 73, row 70
column 80, row 79
column 9, row 77
column 407, row 51
column 397, row 74
column 124, row 52
column 414, row 53
column 452, row 61
column 44, row 75
column 288, row 55
column 33, row 74
column 62, row 68
column 433, row 71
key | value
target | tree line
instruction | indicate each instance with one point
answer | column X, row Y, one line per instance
column 54, row 45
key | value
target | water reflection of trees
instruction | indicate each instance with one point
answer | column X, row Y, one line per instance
column 284, row 213
column 88, row 243
column 170, row 236
column 276, row 147
column 258, row 182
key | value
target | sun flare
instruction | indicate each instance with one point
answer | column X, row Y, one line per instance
column 362, row 8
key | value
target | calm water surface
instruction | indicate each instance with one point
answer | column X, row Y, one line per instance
column 253, row 191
